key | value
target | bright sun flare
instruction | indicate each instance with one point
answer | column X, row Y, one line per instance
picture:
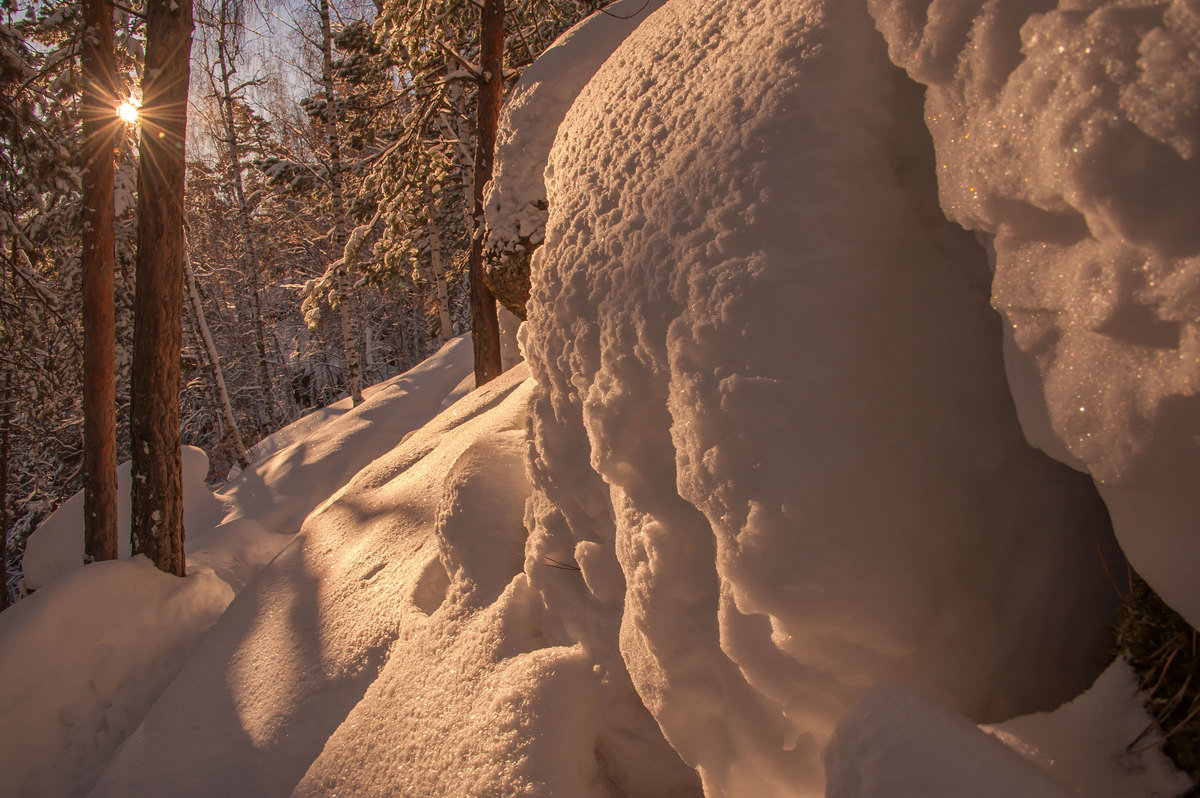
column 128, row 112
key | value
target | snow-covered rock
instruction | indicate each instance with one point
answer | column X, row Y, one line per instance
column 771, row 423
column 764, row 513
column 1068, row 134
column 515, row 201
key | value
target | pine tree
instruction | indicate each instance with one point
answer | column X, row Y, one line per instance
column 100, row 130
column 485, row 326
column 157, row 500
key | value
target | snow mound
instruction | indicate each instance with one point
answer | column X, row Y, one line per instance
column 771, row 423
column 1068, row 134
column 83, row 659
column 896, row 744
column 395, row 648
column 56, row 547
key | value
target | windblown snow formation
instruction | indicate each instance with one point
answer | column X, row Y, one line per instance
column 771, row 424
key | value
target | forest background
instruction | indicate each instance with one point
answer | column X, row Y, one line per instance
column 328, row 217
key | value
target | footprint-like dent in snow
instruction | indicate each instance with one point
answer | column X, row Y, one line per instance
column 432, row 586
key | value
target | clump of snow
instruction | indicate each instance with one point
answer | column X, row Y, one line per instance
column 897, row 744
column 771, row 423
column 56, row 547
column 515, row 205
column 1068, row 134
column 1102, row 744
column 83, row 659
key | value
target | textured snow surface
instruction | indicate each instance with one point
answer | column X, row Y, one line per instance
column 82, row 660
column 395, row 648
column 1068, row 134
column 771, row 423
column 515, row 205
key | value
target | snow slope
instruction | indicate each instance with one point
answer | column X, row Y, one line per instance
column 85, row 657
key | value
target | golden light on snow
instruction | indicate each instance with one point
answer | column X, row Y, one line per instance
column 128, row 111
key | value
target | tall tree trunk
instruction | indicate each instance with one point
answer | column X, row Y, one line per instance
column 157, row 495
column 5, row 426
column 340, row 226
column 249, row 240
column 218, row 376
column 443, row 294
column 100, row 125
column 485, row 325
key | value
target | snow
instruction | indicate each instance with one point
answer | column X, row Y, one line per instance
column 56, row 546
column 81, row 661
column 85, row 656
column 1067, row 135
column 759, row 516
column 1103, row 744
column 896, row 744
column 751, row 403
column 515, row 205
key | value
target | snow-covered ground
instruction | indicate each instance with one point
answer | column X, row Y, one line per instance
column 759, row 518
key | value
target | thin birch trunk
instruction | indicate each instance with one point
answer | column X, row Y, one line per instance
column 249, row 240
column 340, row 231
column 443, row 294
column 218, row 376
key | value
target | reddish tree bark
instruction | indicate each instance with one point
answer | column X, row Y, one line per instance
column 485, row 326
column 157, row 495
column 5, row 426
column 100, row 128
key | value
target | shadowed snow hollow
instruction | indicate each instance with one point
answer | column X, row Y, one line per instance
column 771, row 424
column 1069, row 134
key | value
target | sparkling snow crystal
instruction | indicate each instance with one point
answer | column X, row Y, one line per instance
column 1069, row 135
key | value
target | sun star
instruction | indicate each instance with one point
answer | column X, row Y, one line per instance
column 128, row 112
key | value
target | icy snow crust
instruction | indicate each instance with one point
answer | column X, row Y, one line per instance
column 771, row 422
column 1068, row 134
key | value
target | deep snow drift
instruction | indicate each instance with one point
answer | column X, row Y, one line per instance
column 762, row 521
